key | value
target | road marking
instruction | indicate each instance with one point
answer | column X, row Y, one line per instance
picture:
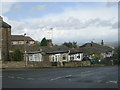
column 30, row 78
column 66, row 76
column 86, row 72
column 19, row 77
column 56, row 78
column 11, row 77
column 112, row 82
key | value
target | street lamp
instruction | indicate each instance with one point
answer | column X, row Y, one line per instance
column 25, row 51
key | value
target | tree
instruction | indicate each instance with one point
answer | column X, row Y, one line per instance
column 38, row 43
column 43, row 42
column 18, row 55
column 70, row 44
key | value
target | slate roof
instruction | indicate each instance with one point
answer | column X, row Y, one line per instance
column 4, row 24
column 94, row 48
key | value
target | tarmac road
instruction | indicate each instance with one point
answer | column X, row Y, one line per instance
column 81, row 77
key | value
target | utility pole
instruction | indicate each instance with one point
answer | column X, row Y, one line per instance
column 25, row 51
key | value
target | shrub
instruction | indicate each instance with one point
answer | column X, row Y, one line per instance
column 18, row 55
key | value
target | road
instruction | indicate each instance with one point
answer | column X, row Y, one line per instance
column 82, row 77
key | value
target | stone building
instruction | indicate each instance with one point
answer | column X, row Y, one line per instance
column 92, row 49
column 5, row 40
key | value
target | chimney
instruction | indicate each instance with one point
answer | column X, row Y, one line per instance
column 102, row 43
column 91, row 43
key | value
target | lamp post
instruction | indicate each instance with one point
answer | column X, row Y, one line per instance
column 25, row 51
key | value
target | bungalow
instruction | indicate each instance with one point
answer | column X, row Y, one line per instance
column 54, row 57
column 92, row 49
column 75, row 56
column 34, row 56
column 58, row 56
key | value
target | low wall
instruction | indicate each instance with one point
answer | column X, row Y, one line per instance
column 21, row 64
column 13, row 64
column 77, row 64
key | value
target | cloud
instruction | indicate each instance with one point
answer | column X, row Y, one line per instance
column 71, row 25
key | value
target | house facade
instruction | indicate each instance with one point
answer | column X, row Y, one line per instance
column 75, row 56
column 34, row 56
column 21, row 40
column 93, row 49
column 56, row 58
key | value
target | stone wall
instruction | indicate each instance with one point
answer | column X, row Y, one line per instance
column 6, row 43
column 77, row 64
column 21, row 64
column 13, row 64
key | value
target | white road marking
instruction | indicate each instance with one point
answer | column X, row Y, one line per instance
column 86, row 72
column 56, row 78
column 30, row 78
column 11, row 77
column 66, row 76
column 19, row 77
column 112, row 82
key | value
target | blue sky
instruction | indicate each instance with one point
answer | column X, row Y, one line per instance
column 25, row 9
column 71, row 20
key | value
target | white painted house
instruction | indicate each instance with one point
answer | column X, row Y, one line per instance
column 76, row 56
column 34, row 56
column 55, row 56
column 58, row 56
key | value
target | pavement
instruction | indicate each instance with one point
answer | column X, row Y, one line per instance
column 81, row 77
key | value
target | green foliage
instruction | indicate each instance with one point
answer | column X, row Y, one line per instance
column 43, row 42
column 103, row 62
column 70, row 44
column 18, row 55
column 97, row 57
column 38, row 43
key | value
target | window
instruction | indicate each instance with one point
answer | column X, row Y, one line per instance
column 14, row 42
column 21, row 42
column 53, row 58
column 30, row 58
column 71, row 57
column 78, row 56
column 64, row 57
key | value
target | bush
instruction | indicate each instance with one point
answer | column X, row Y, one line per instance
column 18, row 55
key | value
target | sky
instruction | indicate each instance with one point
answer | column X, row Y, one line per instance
column 63, row 21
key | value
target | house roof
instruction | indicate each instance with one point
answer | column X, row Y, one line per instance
column 4, row 24
column 21, row 38
column 29, row 38
column 57, row 52
column 94, row 48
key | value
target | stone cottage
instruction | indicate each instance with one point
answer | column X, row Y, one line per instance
column 91, row 49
